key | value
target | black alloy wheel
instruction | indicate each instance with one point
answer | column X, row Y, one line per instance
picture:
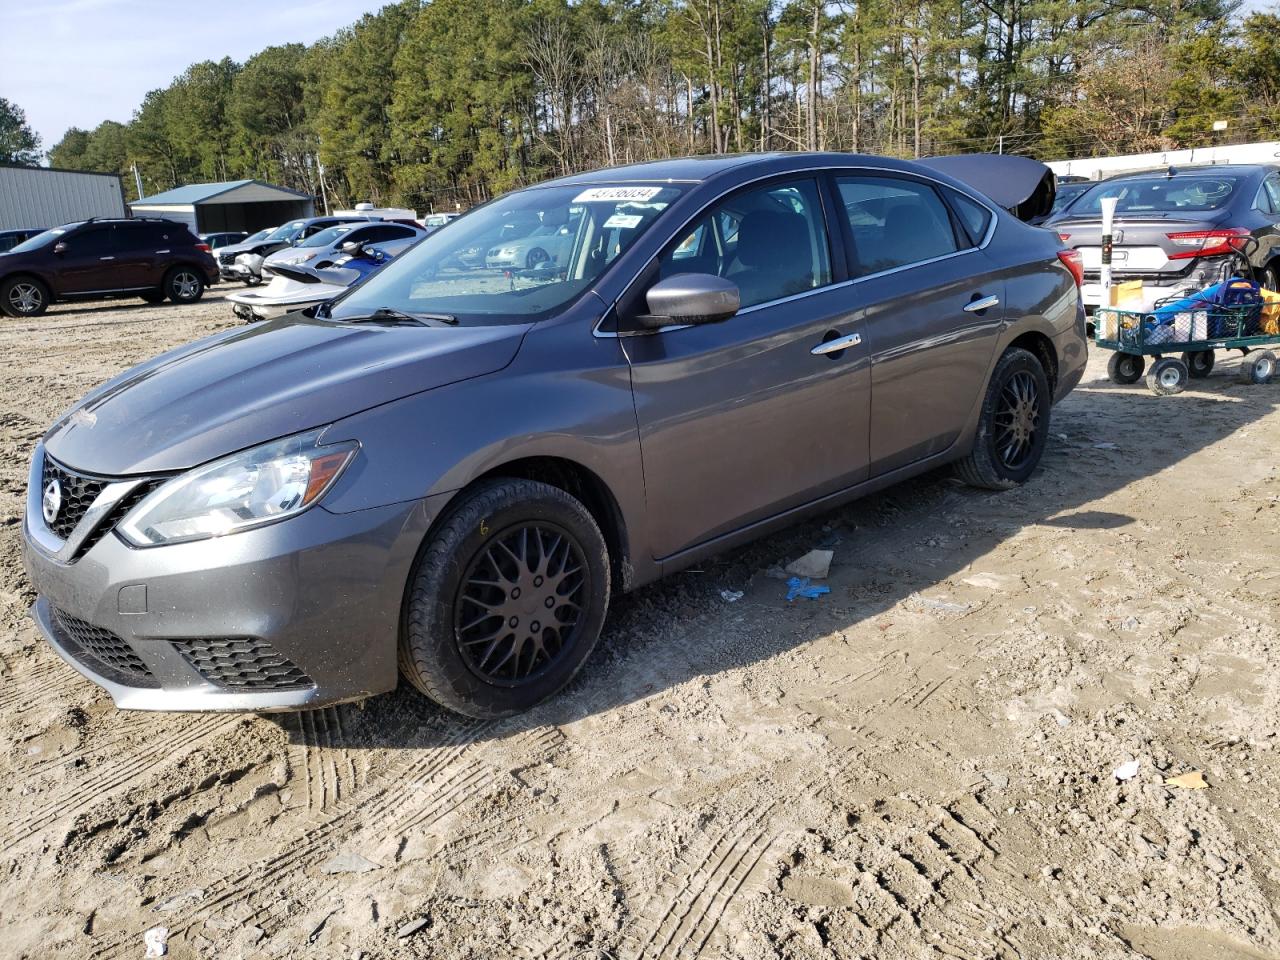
column 519, row 606
column 1013, row 424
column 507, row 598
column 1017, row 420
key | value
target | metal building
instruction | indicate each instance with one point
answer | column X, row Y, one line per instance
column 41, row 197
column 247, row 205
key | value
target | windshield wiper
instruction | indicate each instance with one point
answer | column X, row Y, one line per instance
column 389, row 316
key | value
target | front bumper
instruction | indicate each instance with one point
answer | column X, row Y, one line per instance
column 300, row 613
column 251, row 307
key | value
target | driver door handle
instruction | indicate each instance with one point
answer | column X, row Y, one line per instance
column 836, row 345
column 983, row 303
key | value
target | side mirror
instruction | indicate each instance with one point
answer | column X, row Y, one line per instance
column 690, row 298
column 60, row 247
column 351, row 246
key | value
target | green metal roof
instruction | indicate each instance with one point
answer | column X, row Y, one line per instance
column 200, row 192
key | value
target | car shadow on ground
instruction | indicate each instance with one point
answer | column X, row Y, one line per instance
column 664, row 635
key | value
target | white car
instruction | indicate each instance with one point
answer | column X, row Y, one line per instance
column 321, row 249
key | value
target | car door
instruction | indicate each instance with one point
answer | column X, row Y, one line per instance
column 142, row 252
column 930, row 305
column 742, row 420
column 86, row 260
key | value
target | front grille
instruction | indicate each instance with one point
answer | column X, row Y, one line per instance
column 242, row 663
column 226, row 259
column 113, row 655
column 78, row 494
column 116, row 514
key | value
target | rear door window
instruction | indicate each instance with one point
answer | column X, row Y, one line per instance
column 894, row 222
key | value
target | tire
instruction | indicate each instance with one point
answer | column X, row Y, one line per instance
column 1125, row 368
column 153, row 296
column 1167, row 376
column 535, row 257
column 1258, row 367
column 184, row 284
column 1269, row 277
column 1013, row 424
column 1199, row 363
column 459, row 657
column 23, row 297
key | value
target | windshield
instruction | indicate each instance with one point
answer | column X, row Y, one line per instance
column 287, row 232
column 327, row 236
column 1158, row 194
column 41, row 239
column 1067, row 194
column 475, row 272
column 260, row 235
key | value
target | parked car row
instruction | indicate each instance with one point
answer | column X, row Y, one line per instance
column 90, row 259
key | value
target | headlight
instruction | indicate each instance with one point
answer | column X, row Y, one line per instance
column 249, row 489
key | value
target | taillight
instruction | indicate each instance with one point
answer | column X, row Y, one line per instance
column 1206, row 243
column 203, row 246
column 1073, row 262
column 1064, row 237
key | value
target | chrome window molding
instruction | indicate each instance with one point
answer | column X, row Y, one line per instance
column 816, row 170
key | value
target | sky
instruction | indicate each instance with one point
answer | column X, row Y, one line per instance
column 79, row 62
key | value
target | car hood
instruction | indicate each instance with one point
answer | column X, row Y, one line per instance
column 248, row 385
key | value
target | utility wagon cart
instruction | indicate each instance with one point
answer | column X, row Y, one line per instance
column 1182, row 333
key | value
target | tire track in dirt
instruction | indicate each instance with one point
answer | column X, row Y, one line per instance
column 328, row 766
column 31, row 687
column 79, row 794
column 444, row 778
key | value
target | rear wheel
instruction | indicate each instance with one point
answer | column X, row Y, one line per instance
column 1125, row 368
column 506, row 601
column 1258, row 367
column 184, row 285
column 1167, row 376
column 24, row 297
column 1013, row 424
column 1269, row 278
column 1199, row 363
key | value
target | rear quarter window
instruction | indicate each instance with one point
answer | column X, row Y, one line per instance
column 974, row 217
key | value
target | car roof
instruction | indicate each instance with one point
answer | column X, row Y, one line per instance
column 698, row 169
column 1237, row 169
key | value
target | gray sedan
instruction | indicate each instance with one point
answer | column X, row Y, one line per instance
column 447, row 473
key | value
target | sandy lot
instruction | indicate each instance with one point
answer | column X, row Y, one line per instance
column 918, row 765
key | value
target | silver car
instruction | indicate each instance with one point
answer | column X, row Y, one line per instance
column 445, row 474
column 321, row 249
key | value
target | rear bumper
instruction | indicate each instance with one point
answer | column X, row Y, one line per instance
column 300, row 613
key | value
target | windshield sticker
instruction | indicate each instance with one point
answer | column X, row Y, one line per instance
column 623, row 221
column 617, row 194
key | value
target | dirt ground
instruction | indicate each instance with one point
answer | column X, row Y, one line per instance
column 919, row 764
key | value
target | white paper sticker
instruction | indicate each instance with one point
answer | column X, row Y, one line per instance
column 617, row 194
column 623, row 221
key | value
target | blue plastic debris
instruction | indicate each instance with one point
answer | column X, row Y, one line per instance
column 801, row 587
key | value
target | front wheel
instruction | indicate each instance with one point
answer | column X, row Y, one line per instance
column 506, row 601
column 1013, row 424
column 1167, row 376
column 184, row 285
column 24, row 297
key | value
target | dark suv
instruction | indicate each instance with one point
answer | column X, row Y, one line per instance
column 149, row 258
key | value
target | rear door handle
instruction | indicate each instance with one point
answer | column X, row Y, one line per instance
column 836, row 345
column 983, row 303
